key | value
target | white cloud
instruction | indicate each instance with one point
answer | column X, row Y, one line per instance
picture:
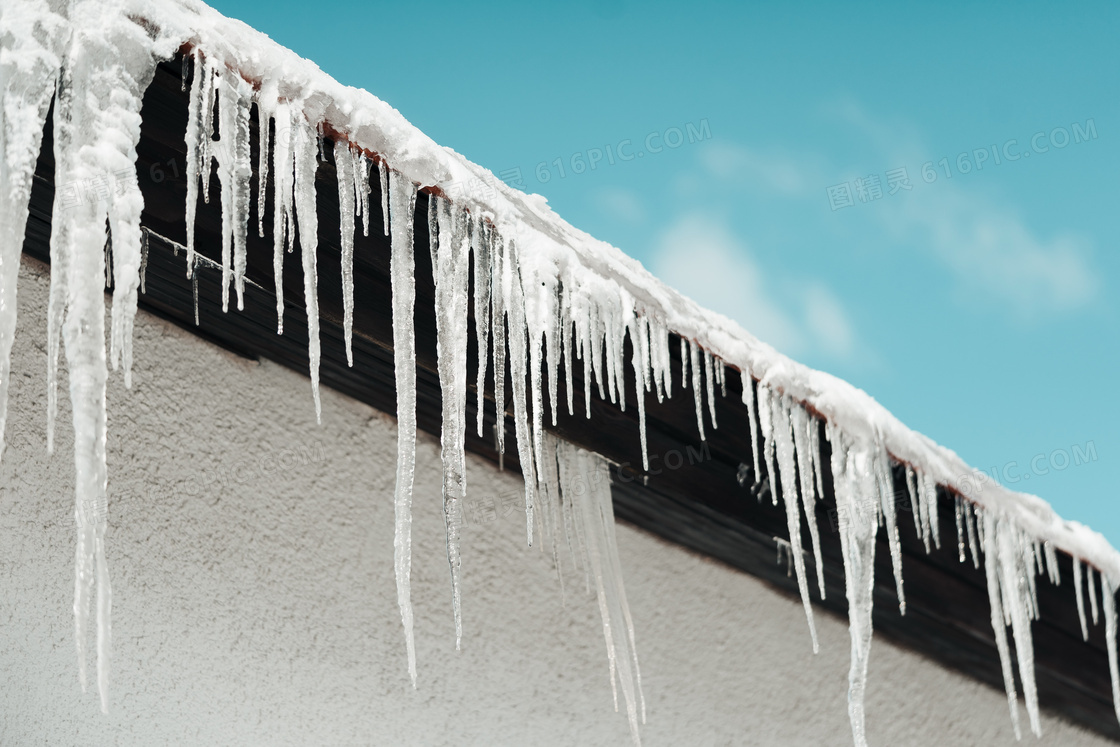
column 986, row 245
column 699, row 256
column 992, row 252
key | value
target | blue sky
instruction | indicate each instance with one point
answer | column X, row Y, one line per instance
column 979, row 304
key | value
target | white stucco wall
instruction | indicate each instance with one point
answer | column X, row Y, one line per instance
column 254, row 600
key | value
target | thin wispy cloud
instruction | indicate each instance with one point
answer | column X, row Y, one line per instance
column 984, row 242
column 770, row 170
column 700, row 256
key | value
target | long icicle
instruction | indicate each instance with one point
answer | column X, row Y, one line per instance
column 451, row 249
column 518, row 371
column 784, row 442
column 483, row 237
column 1080, row 598
column 498, row 324
column 881, row 466
column 344, row 169
column 802, row 444
column 305, row 157
column 99, row 126
column 999, row 624
column 30, row 77
column 858, row 518
column 234, row 171
column 697, row 395
column 402, row 269
column 752, row 416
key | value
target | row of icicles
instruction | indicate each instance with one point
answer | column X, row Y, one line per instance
column 577, row 316
column 569, row 315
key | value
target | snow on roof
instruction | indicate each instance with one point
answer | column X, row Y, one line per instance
column 558, row 287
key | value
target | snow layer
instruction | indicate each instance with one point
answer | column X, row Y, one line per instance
column 554, row 292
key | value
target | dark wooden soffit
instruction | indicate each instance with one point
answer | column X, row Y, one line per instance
column 702, row 505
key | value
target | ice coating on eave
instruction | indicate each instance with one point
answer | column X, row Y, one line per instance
column 546, row 241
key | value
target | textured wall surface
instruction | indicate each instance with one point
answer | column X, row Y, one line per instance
column 254, row 603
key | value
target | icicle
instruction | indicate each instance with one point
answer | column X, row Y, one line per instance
column 498, row 323
column 536, row 385
column 881, row 467
column 282, row 207
column 694, row 362
column 451, row 271
column 1012, row 569
column 999, row 627
column 611, row 354
column 926, row 506
column 480, row 251
column 144, row 261
column 641, row 385
column 383, row 174
column 266, row 106
column 97, row 128
column 970, row 525
column 1080, row 597
column 433, row 229
column 857, row 512
column 783, row 438
column 752, row 416
column 659, row 357
column 402, row 270
column 194, row 287
column 709, row 386
column 595, row 339
column 344, row 168
column 1109, row 597
column 1009, row 566
column 766, row 433
column 801, row 442
column 1052, row 570
column 684, row 363
column 583, row 331
column 915, row 506
column 198, row 142
column 303, row 155
column 815, row 452
column 932, row 517
column 721, row 376
column 569, row 361
column 1091, row 583
column 960, row 528
column 585, row 484
column 234, row 172
column 361, row 187
column 514, row 302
